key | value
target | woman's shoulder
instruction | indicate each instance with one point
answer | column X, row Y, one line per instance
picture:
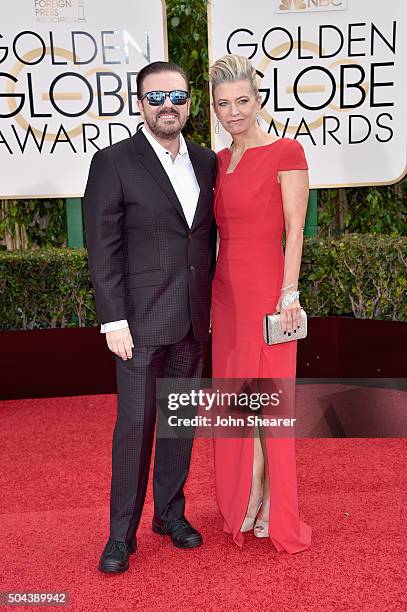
column 222, row 159
column 292, row 155
column 291, row 143
column 283, row 145
column 221, row 154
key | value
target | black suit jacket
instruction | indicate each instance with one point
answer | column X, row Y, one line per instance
column 146, row 264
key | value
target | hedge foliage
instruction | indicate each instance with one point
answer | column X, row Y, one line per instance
column 44, row 222
column 359, row 275
column 188, row 47
column 45, row 288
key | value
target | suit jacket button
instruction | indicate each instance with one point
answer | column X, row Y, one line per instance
column 189, row 236
column 191, row 268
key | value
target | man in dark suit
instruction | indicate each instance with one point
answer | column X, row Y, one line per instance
column 149, row 227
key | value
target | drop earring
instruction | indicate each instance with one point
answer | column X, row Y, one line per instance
column 217, row 127
column 258, row 118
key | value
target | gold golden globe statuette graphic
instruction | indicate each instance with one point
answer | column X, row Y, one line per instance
column 287, row 5
column 284, row 47
column 11, row 89
column 81, row 11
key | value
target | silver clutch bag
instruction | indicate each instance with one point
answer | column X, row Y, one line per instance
column 273, row 333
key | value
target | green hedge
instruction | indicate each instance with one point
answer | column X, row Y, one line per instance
column 359, row 275
column 45, row 288
column 188, row 47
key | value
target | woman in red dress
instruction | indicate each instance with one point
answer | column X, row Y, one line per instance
column 261, row 192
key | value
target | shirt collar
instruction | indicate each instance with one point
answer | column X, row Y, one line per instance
column 162, row 151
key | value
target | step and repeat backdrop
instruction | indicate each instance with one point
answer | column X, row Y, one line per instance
column 68, row 86
column 332, row 73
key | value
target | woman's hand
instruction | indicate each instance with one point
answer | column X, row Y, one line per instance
column 290, row 316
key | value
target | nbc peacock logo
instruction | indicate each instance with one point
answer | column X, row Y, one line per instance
column 289, row 6
column 297, row 5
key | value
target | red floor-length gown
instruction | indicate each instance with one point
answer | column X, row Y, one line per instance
column 247, row 284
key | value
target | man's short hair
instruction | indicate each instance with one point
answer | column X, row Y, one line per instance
column 157, row 67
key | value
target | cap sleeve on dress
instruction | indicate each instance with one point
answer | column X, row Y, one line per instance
column 292, row 156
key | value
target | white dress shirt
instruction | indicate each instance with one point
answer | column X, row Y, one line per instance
column 183, row 179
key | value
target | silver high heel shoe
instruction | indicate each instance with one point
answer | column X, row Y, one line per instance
column 248, row 522
column 261, row 529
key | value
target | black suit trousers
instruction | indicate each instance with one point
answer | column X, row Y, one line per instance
column 134, row 434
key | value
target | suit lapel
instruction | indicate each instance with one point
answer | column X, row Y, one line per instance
column 152, row 164
column 201, row 177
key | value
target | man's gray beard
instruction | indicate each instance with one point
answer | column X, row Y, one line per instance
column 171, row 134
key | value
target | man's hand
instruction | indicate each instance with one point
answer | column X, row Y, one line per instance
column 120, row 343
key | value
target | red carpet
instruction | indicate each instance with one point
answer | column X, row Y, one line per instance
column 55, row 481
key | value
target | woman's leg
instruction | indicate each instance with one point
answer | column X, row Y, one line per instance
column 265, row 506
column 256, row 491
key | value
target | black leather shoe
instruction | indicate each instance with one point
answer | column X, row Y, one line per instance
column 115, row 557
column 182, row 534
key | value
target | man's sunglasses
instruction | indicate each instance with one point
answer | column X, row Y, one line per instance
column 157, row 98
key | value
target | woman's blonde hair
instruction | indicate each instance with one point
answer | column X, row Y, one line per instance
column 233, row 68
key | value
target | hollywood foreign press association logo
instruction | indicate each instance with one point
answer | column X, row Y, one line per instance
column 57, row 11
column 283, row 6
